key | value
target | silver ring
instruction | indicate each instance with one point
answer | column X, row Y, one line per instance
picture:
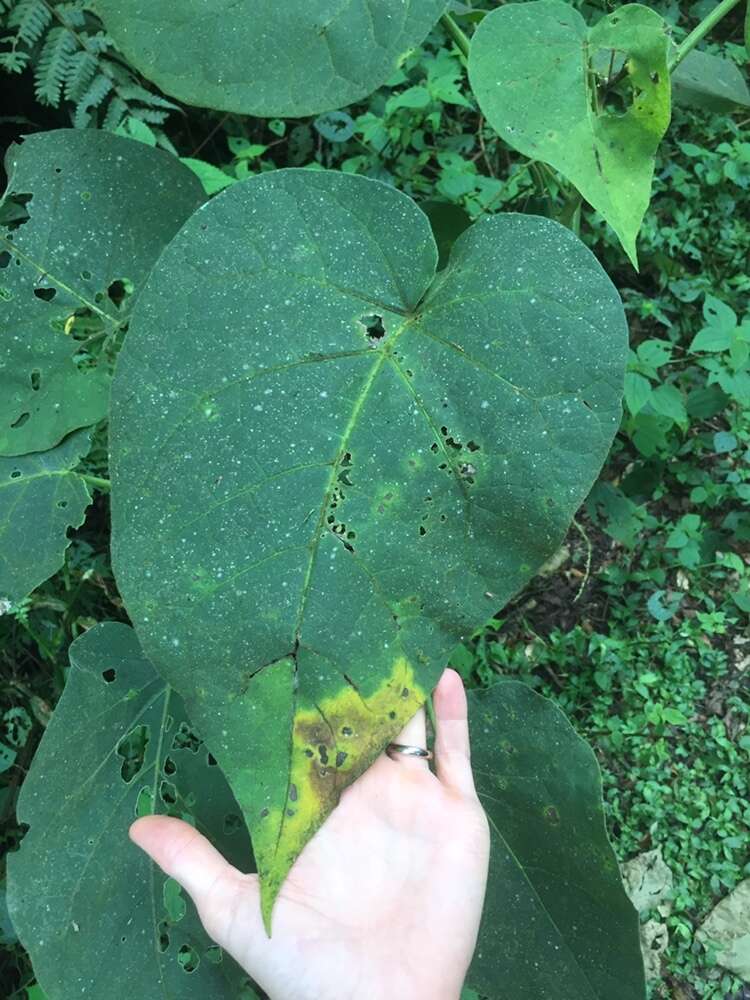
column 408, row 751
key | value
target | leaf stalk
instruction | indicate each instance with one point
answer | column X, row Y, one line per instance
column 96, row 481
column 700, row 31
column 459, row 37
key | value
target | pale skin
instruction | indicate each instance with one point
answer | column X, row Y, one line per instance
column 383, row 903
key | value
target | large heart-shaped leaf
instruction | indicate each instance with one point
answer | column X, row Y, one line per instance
column 84, row 217
column 118, row 746
column 262, row 57
column 541, row 79
column 557, row 921
column 40, row 498
column 329, row 465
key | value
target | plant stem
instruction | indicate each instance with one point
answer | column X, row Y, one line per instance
column 700, row 32
column 458, row 36
column 97, row 481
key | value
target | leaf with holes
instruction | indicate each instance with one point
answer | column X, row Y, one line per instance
column 124, row 735
column 87, row 213
column 41, row 496
column 703, row 80
column 593, row 103
column 556, row 921
column 289, row 59
column 337, row 465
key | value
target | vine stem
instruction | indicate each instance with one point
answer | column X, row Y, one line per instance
column 459, row 37
column 97, row 481
column 700, row 32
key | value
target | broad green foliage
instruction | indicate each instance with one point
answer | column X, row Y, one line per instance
column 125, row 733
column 86, row 215
column 40, row 498
column 703, row 80
column 113, row 926
column 546, row 82
column 267, row 58
column 337, row 465
column 556, row 922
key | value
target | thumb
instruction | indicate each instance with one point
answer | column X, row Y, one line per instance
column 218, row 890
column 452, row 750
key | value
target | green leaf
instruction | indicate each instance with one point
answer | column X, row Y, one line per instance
column 113, row 927
column 669, row 402
column 537, row 72
column 712, row 338
column 654, row 353
column 703, row 80
column 706, row 402
column 288, row 59
column 719, row 314
column 638, row 392
column 40, row 498
column 338, row 465
column 99, row 209
column 674, row 717
column 212, row 178
column 661, row 611
column 336, row 126
column 724, row 442
column 557, row 922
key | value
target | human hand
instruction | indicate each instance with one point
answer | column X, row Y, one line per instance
column 384, row 901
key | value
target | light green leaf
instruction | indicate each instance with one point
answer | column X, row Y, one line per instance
column 669, row 402
column 703, row 80
column 537, row 72
column 338, row 465
column 654, row 353
column 414, row 97
column 289, row 59
column 638, row 391
column 110, row 928
column 719, row 314
column 674, row 717
column 99, row 209
column 557, row 921
column 712, row 338
column 212, row 178
column 40, row 498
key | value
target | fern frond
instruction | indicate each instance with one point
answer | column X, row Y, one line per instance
column 149, row 115
column 74, row 60
column 95, row 94
column 53, row 66
column 30, row 18
column 116, row 111
column 82, row 69
column 134, row 92
column 14, row 61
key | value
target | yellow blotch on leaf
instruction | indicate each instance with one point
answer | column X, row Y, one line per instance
column 333, row 742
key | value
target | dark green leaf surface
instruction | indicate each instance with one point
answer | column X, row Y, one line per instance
column 40, row 498
column 706, row 81
column 337, row 465
column 114, row 926
column 101, row 210
column 537, row 70
column 262, row 57
column 556, row 922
